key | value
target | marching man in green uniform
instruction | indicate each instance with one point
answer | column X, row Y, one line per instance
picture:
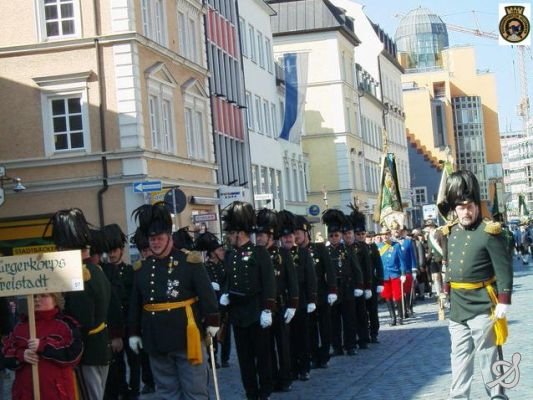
column 479, row 279
column 171, row 301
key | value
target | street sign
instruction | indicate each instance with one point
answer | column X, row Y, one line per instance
column 314, row 210
column 147, row 186
column 429, row 211
column 205, row 217
column 263, row 196
column 175, row 200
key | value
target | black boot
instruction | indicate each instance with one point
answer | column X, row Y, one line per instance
column 400, row 312
column 390, row 305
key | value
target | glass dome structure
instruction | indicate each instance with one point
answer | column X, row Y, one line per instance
column 420, row 38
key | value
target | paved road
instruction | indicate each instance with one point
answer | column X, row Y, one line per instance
column 411, row 362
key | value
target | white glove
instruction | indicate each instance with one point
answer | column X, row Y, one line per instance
column 311, row 307
column 289, row 314
column 402, row 278
column 212, row 330
column 501, row 310
column 379, row 288
column 332, row 298
column 266, row 318
column 136, row 344
column 224, row 299
column 216, row 286
column 368, row 294
column 357, row 292
column 414, row 274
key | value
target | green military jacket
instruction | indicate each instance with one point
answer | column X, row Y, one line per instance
column 477, row 254
column 326, row 276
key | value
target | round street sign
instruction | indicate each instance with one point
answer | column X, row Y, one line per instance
column 179, row 200
column 314, row 210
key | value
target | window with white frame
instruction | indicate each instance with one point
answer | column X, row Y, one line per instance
column 251, row 35
column 196, row 112
column 266, row 115
column 260, row 50
column 59, row 19
column 154, row 21
column 242, row 29
column 420, row 195
column 189, row 25
column 274, row 116
column 268, row 52
column 65, row 111
column 258, row 114
column 249, row 111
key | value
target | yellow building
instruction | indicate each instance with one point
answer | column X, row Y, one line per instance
column 450, row 107
column 98, row 96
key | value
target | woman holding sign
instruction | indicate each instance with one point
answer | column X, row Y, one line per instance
column 56, row 350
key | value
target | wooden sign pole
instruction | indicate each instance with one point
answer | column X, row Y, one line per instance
column 33, row 335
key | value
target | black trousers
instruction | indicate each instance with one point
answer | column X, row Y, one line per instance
column 372, row 310
column 225, row 346
column 343, row 324
column 117, row 384
column 281, row 353
column 361, row 320
column 320, row 333
column 300, row 348
column 146, row 371
column 255, row 359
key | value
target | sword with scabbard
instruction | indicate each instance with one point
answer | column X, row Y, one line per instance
column 209, row 342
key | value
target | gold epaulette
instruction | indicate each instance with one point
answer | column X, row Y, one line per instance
column 493, row 227
column 86, row 273
column 137, row 265
column 447, row 229
column 194, row 257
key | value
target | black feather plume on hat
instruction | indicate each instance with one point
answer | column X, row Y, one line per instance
column 239, row 216
column 302, row 224
column 461, row 187
column 357, row 219
column 286, row 223
column 140, row 240
column 182, row 239
column 267, row 222
column 114, row 237
column 153, row 219
column 69, row 229
column 97, row 241
column 334, row 219
column 207, row 242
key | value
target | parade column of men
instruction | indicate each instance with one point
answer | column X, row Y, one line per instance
column 377, row 284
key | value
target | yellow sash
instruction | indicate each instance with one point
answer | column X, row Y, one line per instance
column 500, row 324
column 98, row 329
column 194, row 343
column 384, row 249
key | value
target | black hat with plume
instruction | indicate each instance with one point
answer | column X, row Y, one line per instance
column 357, row 219
column 97, row 241
column 140, row 240
column 114, row 237
column 153, row 219
column 334, row 219
column 302, row 224
column 239, row 216
column 69, row 229
column 207, row 242
column 182, row 239
column 286, row 222
column 461, row 187
column 267, row 222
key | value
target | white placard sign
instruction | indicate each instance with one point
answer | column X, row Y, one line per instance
column 59, row 271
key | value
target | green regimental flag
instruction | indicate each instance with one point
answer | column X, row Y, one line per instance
column 495, row 206
column 389, row 205
column 522, row 207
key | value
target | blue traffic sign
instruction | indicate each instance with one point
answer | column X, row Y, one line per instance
column 147, row 186
column 314, row 210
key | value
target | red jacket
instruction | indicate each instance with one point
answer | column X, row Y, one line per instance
column 59, row 351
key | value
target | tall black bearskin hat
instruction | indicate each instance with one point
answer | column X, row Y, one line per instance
column 140, row 240
column 346, row 224
column 267, row 222
column 239, row 216
column 302, row 224
column 153, row 219
column 334, row 219
column 114, row 237
column 97, row 241
column 207, row 242
column 461, row 187
column 69, row 229
column 357, row 218
column 286, row 222
column 182, row 239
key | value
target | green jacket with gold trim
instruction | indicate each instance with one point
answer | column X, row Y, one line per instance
column 476, row 254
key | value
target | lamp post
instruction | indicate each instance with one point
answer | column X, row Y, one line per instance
column 19, row 187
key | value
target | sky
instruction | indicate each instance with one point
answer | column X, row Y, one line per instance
column 502, row 60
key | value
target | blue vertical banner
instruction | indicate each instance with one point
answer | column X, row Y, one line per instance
column 291, row 94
